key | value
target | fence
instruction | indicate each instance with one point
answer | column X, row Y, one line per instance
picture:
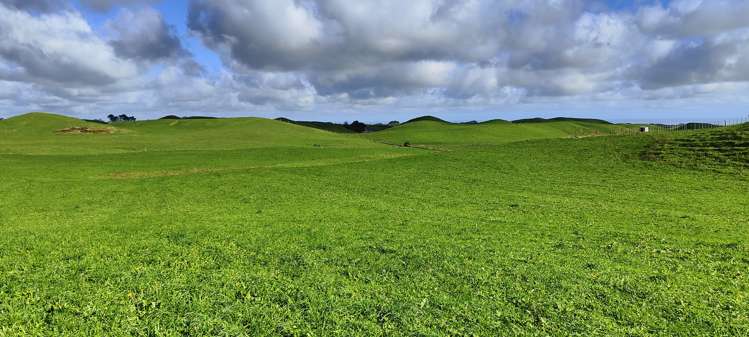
column 667, row 127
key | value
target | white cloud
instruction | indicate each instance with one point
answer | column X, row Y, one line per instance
column 144, row 35
column 59, row 48
column 338, row 54
column 107, row 5
column 683, row 18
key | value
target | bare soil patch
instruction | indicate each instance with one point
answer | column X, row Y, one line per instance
column 85, row 130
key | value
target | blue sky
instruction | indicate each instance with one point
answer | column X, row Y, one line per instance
column 174, row 13
column 378, row 60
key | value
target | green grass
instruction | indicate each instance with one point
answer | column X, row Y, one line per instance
column 724, row 149
column 426, row 119
column 245, row 227
column 35, row 134
column 428, row 132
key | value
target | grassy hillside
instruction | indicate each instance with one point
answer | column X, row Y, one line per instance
column 561, row 119
column 335, row 127
column 719, row 149
column 244, row 228
column 495, row 132
column 37, row 133
column 332, row 127
column 36, row 124
column 426, row 119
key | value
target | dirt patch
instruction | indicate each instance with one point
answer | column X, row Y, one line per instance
column 85, row 130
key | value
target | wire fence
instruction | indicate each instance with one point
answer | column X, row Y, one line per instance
column 670, row 127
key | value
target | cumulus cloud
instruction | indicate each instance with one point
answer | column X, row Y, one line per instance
column 693, row 43
column 369, row 49
column 60, row 48
column 463, row 49
column 307, row 54
column 682, row 18
column 144, row 35
column 296, row 35
column 107, row 5
column 699, row 62
column 34, row 5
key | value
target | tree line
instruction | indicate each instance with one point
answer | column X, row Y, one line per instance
column 120, row 118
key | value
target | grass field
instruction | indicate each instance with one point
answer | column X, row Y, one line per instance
column 494, row 132
column 257, row 227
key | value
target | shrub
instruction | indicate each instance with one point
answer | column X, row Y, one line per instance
column 357, row 126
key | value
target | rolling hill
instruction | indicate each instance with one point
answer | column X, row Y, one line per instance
column 327, row 126
column 426, row 119
column 40, row 124
column 429, row 132
column 722, row 149
column 244, row 227
column 561, row 119
column 39, row 133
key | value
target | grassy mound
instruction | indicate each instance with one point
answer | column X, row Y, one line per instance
column 561, row 119
column 35, row 124
column 497, row 132
column 38, row 133
column 327, row 126
column 496, row 121
column 426, row 119
column 722, row 149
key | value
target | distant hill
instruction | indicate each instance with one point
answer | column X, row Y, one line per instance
column 335, row 127
column 430, row 132
column 327, row 126
column 496, row 121
column 35, row 123
column 43, row 133
column 40, row 118
column 187, row 117
column 426, row 118
column 519, row 121
column 97, row 121
column 560, row 119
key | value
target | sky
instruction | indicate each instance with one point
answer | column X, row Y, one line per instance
column 377, row 60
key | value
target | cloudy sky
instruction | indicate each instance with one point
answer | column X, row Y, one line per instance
column 377, row 60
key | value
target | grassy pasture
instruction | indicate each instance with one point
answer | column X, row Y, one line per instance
column 35, row 134
column 256, row 227
column 725, row 149
column 430, row 132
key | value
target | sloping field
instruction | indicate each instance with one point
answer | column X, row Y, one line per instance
column 720, row 149
column 37, row 133
column 245, row 228
column 39, row 124
column 430, row 132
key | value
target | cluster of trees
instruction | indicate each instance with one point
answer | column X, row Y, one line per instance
column 360, row 127
column 120, row 118
column 356, row 126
